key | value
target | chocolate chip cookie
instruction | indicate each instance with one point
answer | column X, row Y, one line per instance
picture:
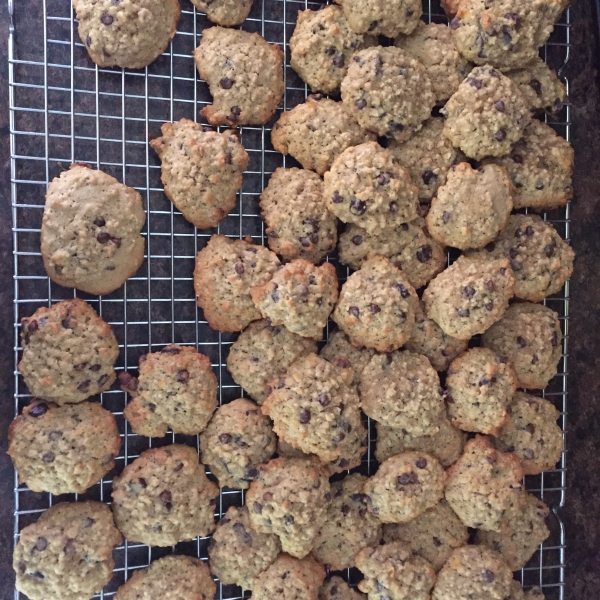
column 63, row 449
column 298, row 222
column 130, row 34
column 540, row 259
column 480, row 389
column 377, row 306
column 472, row 207
column 176, row 389
column 315, row 408
column 382, row 17
column 366, row 186
column 174, row 575
column 402, row 390
column 405, row 486
column 227, row 13
column 540, row 165
column 486, row 115
column 68, row 352
column 349, row 526
column 261, row 353
column 67, row 553
column 469, row 296
column 290, row 579
column 300, row 296
column 388, row 92
column 164, row 497
column 289, row 498
column 428, row 154
column 201, row 170
column 237, row 439
column 316, row 132
column 484, row 485
column 244, row 74
column 225, row 272
column 433, row 535
column 530, row 337
column 90, row 236
column 531, row 433
column 339, row 351
column 238, row 553
column 322, row 46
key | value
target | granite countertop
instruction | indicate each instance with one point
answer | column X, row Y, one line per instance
column 581, row 515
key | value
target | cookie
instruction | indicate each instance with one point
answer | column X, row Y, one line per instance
column 433, row 46
column 446, row 444
column 90, row 236
column 401, row 389
column 201, row 170
column 349, row 526
column 315, row 408
column 484, row 485
column 472, row 207
column 540, row 259
column 261, row 353
column 164, row 497
column 176, row 389
column 540, row 165
column 67, row 553
column 238, row 553
column 316, row 132
column 322, row 46
column 290, row 579
column 520, row 534
column 336, row 588
column 388, row 92
column 474, row 573
column 408, row 246
column 63, row 449
column 480, row 388
column 227, row 13
column 540, row 86
column 382, row 17
column 339, row 351
column 68, row 352
column 405, row 486
column 170, row 576
column 530, row 337
column 469, row 296
column 225, row 271
column 487, row 114
column 531, row 433
column 433, row 535
column 130, row 34
column 298, row 222
column 377, row 306
column 237, row 439
column 428, row 338
column 428, row 154
column 300, row 296
column 244, row 74
column 289, row 498
column 392, row 571
column 505, row 34
column 366, row 186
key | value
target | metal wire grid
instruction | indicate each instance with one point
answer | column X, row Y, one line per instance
column 64, row 109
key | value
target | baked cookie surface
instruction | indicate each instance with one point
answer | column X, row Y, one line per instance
column 382, row 17
column 335, row 588
column 227, row 13
column 340, row 351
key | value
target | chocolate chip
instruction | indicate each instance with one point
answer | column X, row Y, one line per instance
column 491, row 459
column 183, row 376
column 178, row 468
column 69, row 546
column 80, row 367
column 304, row 417
column 490, row 247
column 106, row 19
column 41, row 544
column 499, row 106
column 103, row 237
column 549, row 250
column 424, row 253
column 357, row 240
column 99, row 222
column 374, row 308
column 490, row 285
column 151, row 407
column 143, row 482
column 167, row 499
column 32, row 326
column 83, row 386
column 393, row 207
column 468, row 291
column 236, row 111
column 346, row 426
column 421, row 463
column 445, row 216
column 54, row 435
column 427, row 176
column 488, row 576
column 539, row 186
column 354, row 311
column 334, row 591
column 225, row 438
column 436, row 542
column 403, row 291
column 48, row 457
column 383, row 178
column 239, row 268
column 521, row 341
column 257, row 507
column 305, row 241
column 342, row 363
column 408, row 479
column 476, row 83
column 330, row 51
column 226, row 83
column 128, row 381
column 360, row 104
column 336, row 198
column 517, row 158
column 463, row 312
column 267, row 496
column 489, row 305
column 289, row 519
column 358, row 207
column 338, row 61
column 536, row 86
column 455, row 23
column 345, row 510
column 530, row 428
column 88, row 522
column 554, row 339
column 38, row 410
column 500, row 135
column 275, row 297
column 323, row 399
column 103, row 379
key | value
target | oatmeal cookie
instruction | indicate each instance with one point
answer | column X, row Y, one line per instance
column 227, row 13
column 336, row 588
column 339, row 351
column 290, row 579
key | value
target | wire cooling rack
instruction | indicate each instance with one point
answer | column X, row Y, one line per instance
column 64, row 109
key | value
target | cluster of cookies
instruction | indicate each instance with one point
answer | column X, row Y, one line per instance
column 454, row 435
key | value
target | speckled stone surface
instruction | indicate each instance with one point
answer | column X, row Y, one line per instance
column 581, row 514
